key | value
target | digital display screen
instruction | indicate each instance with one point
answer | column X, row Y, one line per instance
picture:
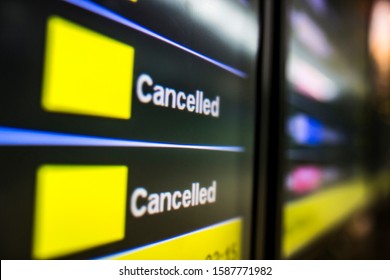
column 327, row 87
column 127, row 128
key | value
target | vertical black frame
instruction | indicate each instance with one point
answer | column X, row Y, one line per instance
column 269, row 168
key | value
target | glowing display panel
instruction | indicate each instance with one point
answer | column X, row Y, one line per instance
column 111, row 86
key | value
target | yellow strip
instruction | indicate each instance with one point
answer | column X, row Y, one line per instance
column 222, row 241
column 307, row 219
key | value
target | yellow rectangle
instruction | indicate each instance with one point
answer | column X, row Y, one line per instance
column 78, row 207
column 221, row 241
column 86, row 72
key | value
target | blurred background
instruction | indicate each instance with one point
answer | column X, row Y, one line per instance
column 337, row 100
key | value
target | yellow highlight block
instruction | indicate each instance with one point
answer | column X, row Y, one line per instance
column 78, row 207
column 86, row 72
column 221, row 241
column 307, row 219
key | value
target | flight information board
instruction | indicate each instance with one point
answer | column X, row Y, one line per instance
column 127, row 129
column 325, row 124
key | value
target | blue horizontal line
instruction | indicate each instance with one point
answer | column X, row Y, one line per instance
column 104, row 12
column 26, row 137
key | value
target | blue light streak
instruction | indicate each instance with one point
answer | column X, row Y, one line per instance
column 104, row 12
column 26, row 137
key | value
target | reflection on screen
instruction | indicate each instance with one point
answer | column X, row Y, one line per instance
column 326, row 81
